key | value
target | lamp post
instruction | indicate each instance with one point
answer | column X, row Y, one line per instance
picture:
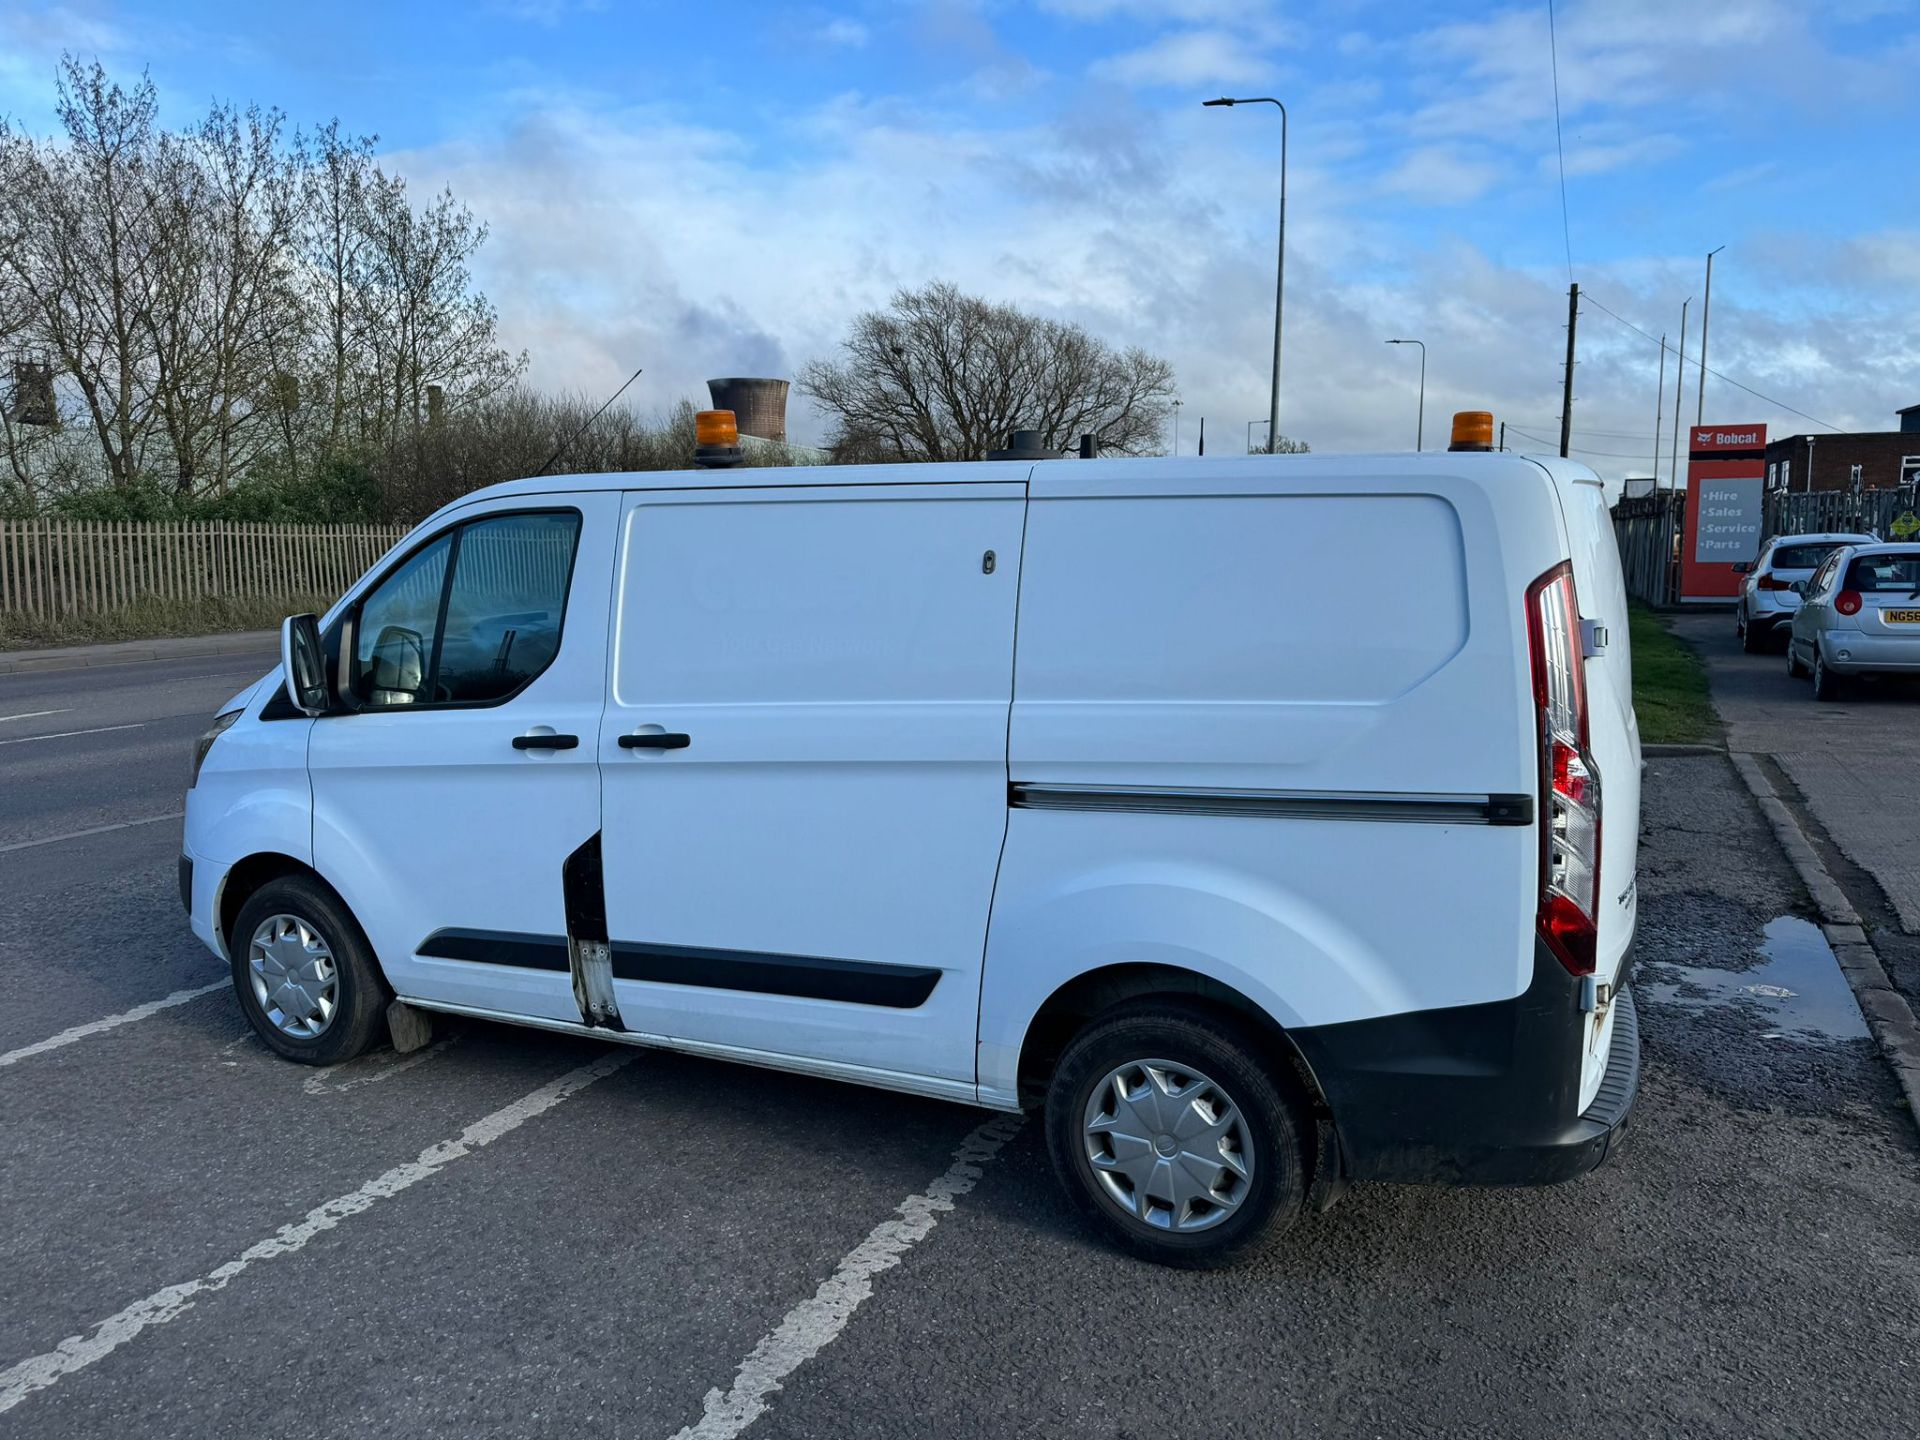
column 1679, row 389
column 1420, row 427
column 1706, row 314
column 1280, row 268
column 1250, row 425
column 1176, row 427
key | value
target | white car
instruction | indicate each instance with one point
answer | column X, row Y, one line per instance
column 1860, row 615
column 1258, row 881
column 1768, row 599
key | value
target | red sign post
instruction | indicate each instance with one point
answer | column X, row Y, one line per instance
column 1726, row 505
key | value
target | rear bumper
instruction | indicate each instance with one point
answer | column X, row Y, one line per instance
column 1479, row 1094
column 1889, row 654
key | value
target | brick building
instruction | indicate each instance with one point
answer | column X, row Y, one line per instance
column 1887, row 458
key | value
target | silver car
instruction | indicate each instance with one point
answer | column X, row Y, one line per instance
column 1767, row 594
column 1858, row 615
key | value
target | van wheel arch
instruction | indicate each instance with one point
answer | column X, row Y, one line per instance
column 245, row 879
column 1085, row 998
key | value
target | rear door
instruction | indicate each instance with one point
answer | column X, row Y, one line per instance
column 804, row 751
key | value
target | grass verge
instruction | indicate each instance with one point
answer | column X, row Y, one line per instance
column 1669, row 684
column 151, row 620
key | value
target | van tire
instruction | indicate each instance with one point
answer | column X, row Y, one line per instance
column 358, row 990
column 1182, row 1034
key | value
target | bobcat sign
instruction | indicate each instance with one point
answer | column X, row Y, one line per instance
column 1726, row 508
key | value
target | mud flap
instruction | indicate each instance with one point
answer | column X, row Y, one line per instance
column 589, row 956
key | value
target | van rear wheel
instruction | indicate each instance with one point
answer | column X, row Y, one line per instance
column 305, row 975
column 1172, row 1138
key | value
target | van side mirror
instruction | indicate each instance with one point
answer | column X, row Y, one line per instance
column 304, row 661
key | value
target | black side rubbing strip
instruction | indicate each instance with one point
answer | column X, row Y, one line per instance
column 498, row 947
column 859, row 982
column 1278, row 804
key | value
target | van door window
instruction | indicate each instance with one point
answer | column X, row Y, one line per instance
column 470, row 619
column 509, row 594
column 399, row 621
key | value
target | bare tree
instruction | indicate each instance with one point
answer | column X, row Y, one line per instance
column 84, row 257
column 941, row 375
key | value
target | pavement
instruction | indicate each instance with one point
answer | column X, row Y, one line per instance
column 123, row 652
column 1856, row 762
column 519, row 1234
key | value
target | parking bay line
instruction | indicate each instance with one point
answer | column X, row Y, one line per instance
column 35, row 714
column 94, row 830
column 815, row 1323
column 77, row 1352
column 110, row 1022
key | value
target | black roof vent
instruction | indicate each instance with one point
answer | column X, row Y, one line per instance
column 1026, row 445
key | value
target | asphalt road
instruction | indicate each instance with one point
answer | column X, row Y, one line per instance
column 519, row 1234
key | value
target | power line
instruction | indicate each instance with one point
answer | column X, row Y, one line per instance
column 1718, row 375
column 1578, row 450
column 1559, row 144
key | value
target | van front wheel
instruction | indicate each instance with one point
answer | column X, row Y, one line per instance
column 1173, row 1138
column 304, row 973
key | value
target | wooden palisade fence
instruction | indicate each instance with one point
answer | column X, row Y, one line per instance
column 66, row 567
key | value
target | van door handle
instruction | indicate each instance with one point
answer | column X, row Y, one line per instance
column 655, row 740
column 546, row 742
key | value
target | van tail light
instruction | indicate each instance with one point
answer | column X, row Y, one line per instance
column 1772, row 582
column 1568, row 916
column 1847, row 602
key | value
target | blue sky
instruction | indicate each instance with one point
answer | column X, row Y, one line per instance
column 715, row 189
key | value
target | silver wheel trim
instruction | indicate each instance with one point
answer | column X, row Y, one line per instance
column 295, row 980
column 1167, row 1145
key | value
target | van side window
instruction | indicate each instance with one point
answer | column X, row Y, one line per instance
column 398, row 622
column 470, row 619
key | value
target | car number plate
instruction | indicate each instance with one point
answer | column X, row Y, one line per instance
column 1902, row 617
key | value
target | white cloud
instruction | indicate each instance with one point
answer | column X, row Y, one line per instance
column 1441, row 175
column 1192, row 57
column 844, row 32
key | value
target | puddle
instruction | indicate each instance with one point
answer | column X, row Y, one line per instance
column 1794, row 984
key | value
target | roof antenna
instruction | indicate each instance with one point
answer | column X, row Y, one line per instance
column 566, row 443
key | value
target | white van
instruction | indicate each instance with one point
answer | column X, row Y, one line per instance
column 1270, row 822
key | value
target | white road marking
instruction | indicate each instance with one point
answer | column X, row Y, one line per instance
column 69, row 734
column 34, row 714
column 379, row 1068
column 111, row 1022
column 815, row 1323
column 95, row 830
column 77, row 1352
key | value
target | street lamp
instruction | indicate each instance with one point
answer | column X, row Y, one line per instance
column 1280, row 269
column 1706, row 314
column 1250, row 425
column 1176, row 427
column 1420, row 428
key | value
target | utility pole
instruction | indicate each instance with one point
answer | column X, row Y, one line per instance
column 1679, row 380
column 1566, row 397
column 1503, row 434
column 1706, row 314
column 1659, row 412
column 1203, row 435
